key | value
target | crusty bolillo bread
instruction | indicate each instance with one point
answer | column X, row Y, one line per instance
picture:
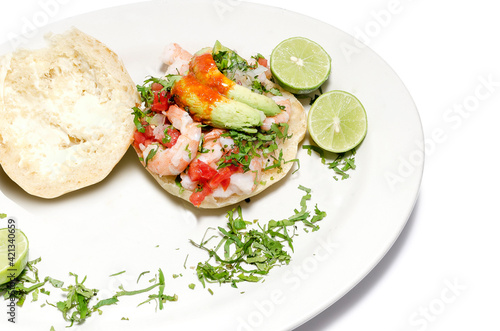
column 65, row 114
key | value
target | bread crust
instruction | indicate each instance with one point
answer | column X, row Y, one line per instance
column 65, row 114
column 297, row 128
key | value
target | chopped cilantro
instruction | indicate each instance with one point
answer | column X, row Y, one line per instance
column 35, row 295
column 151, row 154
column 258, row 87
column 227, row 60
column 248, row 255
column 258, row 57
column 138, row 115
column 76, row 306
column 142, row 274
column 118, row 273
column 341, row 164
column 178, row 180
column 249, row 146
column 160, row 297
column 19, row 289
column 167, row 137
column 145, row 91
column 185, row 260
column 188, row 150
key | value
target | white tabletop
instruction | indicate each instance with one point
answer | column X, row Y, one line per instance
column 442, row 272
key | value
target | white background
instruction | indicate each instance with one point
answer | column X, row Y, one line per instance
column 442, row 273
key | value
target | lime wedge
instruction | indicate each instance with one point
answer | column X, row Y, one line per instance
column 300, row 65
column 13, row 254
column 337, row 121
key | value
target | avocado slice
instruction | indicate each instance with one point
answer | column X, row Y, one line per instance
column 208, row 106
column 204, row 68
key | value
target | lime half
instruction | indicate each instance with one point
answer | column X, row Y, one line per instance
column 300, row 65
column 337, row 121
column 13, row 254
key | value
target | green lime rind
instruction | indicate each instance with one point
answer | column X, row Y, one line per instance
column 20, row 256
column 300, row 65
column 337, row 121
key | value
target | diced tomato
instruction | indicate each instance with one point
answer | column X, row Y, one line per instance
column 263, row 62
column 145, row 138
column 225, row 183
column 156, row 86
column 174, row 135
column 223, row 177
column 148, row 132
column 160, row 100
column 197, row 197
column 148, row 136
column 209, row 179
column 199, row 171
column 141, row 138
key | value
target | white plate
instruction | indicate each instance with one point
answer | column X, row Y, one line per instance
column 117, row 224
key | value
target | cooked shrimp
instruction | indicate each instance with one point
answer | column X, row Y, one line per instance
column 179, row 118
column 212, row 152
column 282, row 117
column 214, row 147
column 174, row 160
column 227, row 143
column 176, row 58
column 187, row 183
column 214, row 134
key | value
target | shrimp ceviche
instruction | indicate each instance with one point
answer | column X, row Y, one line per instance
column 215, row 129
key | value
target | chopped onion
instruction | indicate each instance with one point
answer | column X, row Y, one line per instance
column 159, row 131
column 157, row 119
column 257, row 71
column 187, row 183
column 242, row 183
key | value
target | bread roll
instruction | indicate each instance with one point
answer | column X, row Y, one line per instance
column 65, row 114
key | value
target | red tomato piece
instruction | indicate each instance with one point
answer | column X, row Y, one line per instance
column 148, row 132
column 209, row 179
column 263, row 62
column 174, row 135
column 197, row 197
column 156, row 86
column 223, row 175
column 141, row 138
column 160, row 101
column 199, row 171
column 225, row 183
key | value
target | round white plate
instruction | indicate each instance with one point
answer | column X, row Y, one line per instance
column 128, row 223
